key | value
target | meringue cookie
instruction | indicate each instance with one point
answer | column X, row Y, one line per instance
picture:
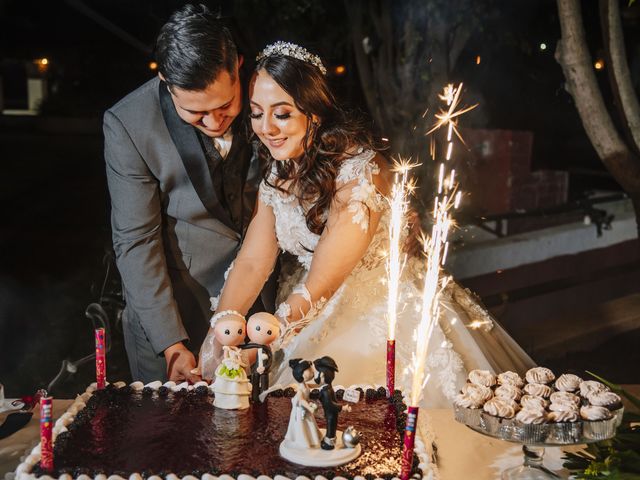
column 482, row 377
column 477, row 391
column 532, row 402
column 500, row 407
column 510, row 378
column 529, row 416
column 564, row 397
column 467, row 401
column 609, row 400
column 508, row 391
column 538, row 390
column 540, row 375
column 563, row 406
column 591, row 412
column 568, row 382
column 589, row 387
column 564, row 416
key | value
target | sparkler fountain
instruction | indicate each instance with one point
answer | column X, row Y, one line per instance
column 396, row 259
column 436, row 247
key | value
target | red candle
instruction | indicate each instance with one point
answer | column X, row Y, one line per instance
column 101, row 359
column 409, row 442
column 391, row 366
column 46, row 427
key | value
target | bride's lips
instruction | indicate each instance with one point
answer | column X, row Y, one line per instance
column 276, row 142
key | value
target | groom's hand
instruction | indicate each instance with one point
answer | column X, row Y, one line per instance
column 180, row 363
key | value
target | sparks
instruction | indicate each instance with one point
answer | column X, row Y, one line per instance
column 449, row 116
column 436, row 246
column 396, row 259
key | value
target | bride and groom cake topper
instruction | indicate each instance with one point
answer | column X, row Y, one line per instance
column 231, row 384
column 304, row 442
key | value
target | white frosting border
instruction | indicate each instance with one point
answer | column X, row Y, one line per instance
column 24, row 469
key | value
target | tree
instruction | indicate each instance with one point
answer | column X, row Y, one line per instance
column 617, row 150
column 405, row 52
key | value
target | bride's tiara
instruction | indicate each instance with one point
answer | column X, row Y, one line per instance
column 287, row 49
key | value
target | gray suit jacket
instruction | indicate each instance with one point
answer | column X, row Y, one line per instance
column 172, row 240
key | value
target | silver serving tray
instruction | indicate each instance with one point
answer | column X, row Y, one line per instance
column 545, row 434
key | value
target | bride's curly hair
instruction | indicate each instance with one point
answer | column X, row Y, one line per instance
column 337, row 136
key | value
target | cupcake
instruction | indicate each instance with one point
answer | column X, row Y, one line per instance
column 538, row 390
column 565, row 427
column 494, row 411
column 565, row 397
column 509, row 392
column 467, row 409
column 568, row 382
column 598, row 424
column 540, row 375
column 589, row 387
column 531, row 426
column 482, row 377
column 510, row 378
column 609, row 400
column 532, row 402
column 468, row 403
column 594, row 413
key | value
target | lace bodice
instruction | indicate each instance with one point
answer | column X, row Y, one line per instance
column 292, row 232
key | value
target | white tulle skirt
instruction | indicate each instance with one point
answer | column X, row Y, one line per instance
column 352, row 329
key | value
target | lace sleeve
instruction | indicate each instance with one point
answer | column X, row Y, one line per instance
column 351, row 224
column 357, row 175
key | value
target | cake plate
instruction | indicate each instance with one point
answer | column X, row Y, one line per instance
column 534, row 438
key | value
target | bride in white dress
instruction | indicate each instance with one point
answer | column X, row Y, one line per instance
column 302, row 432
column 323, row 201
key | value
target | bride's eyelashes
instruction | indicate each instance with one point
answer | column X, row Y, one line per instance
column 279, row 116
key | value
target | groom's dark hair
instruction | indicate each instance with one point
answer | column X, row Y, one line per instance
column 193, row 47
column 326, row 365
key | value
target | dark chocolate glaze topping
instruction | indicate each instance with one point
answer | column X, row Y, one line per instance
column 123, row 432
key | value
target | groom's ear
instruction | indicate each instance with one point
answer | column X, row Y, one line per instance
column 240, row 60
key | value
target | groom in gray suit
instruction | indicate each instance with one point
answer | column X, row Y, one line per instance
column 183, row 180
